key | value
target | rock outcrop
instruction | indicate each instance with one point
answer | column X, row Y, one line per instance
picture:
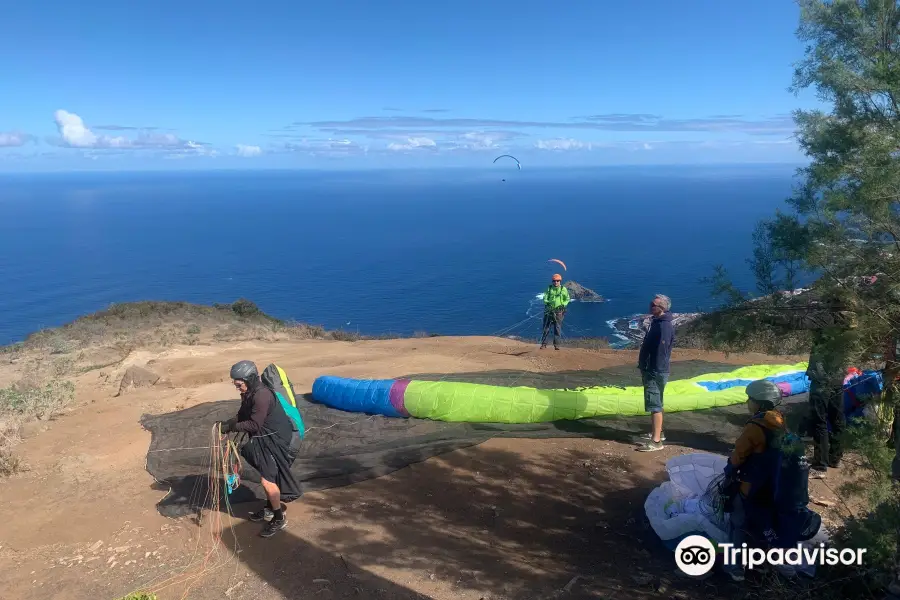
column 582, row 294
column 631, row 330
column 137, row 377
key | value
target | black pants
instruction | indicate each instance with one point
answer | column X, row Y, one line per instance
column 826, row 404
column 272, row 458
column 554, row 320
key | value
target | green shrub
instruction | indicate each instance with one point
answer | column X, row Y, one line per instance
column 37, row 402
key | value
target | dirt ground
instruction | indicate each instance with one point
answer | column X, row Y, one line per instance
column 510, row 518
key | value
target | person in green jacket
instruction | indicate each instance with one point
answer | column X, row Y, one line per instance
column 556, row 299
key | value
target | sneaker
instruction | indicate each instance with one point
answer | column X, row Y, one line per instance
column 264, row 514
column 651, row 446
column 273, row 527
column 649, row 436
column 817, row 473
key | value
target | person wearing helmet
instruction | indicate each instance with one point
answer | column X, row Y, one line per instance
column 556, row 299
column 753, row 467
column 272, row 445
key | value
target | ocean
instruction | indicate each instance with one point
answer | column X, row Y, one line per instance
column 450, row 252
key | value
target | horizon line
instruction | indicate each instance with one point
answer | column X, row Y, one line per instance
column 748, row 165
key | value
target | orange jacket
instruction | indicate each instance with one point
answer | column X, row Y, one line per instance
column 753, row 441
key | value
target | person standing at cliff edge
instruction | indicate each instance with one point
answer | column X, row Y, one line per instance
column 556, row 299
column 653, row 363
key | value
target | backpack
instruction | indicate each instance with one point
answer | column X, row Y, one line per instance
column 277, row 381
column 790, row 477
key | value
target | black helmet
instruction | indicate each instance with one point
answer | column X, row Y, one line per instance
column 244, row 370
column 765, row 393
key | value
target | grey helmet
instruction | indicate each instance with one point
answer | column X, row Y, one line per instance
column 244, row 370
column 765, row 393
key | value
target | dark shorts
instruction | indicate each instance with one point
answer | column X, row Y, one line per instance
column 654, row 386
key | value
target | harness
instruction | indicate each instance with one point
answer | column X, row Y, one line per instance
column 779, row 476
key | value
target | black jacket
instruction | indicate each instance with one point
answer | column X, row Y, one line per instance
column 261, row 413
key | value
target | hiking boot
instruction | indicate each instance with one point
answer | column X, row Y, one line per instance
column 649, row 436
column 273, row 527
column 651, row 446
column 264, row 514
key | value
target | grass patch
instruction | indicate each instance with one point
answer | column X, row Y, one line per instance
column 33, row 402
column 10, row 430
column 344, row 336
column 140, row 322
column 126, row 327
column 26, row 402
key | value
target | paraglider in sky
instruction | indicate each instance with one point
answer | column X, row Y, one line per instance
column 556, row 260
column 518, row 164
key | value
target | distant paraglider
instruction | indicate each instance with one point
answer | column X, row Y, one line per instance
column 518, row 164
column 556, row 260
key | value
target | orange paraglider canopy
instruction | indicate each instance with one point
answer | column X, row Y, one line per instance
column 556, row 260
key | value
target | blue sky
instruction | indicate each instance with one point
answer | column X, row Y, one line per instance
column 355, row 84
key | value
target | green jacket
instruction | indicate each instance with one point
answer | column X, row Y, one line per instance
column 556, row 298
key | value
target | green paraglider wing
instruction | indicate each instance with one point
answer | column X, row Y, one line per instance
column 479, row 403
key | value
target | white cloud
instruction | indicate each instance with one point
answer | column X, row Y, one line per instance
column 189, row 149
column 414, row 143
column 479, row 140
column 647, row 146
column 561, row 144
column 248, row 151
column 73, row 131
column 329, row 147
column 13, row 139
column 75, row 134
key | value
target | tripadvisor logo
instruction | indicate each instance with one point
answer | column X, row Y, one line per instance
column 695, row 555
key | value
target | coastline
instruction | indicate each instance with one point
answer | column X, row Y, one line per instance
column 629, row 331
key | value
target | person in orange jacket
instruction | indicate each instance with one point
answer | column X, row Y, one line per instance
column 754, row 464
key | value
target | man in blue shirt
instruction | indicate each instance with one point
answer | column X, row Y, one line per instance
column 653, row 362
